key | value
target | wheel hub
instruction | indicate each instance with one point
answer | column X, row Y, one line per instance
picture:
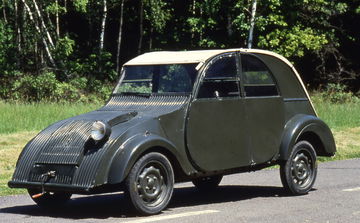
column 301, row 169
column 150, row 184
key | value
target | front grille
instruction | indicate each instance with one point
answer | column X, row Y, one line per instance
column 63, row 173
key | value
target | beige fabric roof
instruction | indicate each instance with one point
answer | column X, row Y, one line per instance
column 174, row 57
column 197, row 56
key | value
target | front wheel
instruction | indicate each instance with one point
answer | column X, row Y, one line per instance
column 150, row 184
column 298, row 173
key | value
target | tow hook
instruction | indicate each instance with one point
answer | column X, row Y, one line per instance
column 44, row 178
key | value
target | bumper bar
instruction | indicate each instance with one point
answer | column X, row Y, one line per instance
column 50, row 186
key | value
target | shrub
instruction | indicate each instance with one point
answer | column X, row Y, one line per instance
column 35, row 88
column 337, row 93
column 46, row 87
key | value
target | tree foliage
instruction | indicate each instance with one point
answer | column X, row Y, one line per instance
column 61, row 38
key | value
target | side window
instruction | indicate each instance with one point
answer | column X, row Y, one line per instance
column 257, row 77
column 220, row 79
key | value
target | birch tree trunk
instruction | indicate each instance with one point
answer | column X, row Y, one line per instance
column 120, row 36
column 151, row 38
column 252, row 24
column 4, row 10
column 48, row 52
column 43, row 25
column 18, row 34
column 141, row 26
column 103, row 26
column 17, row 27
column 57, row 19
column 201, row 30
column 193, row 12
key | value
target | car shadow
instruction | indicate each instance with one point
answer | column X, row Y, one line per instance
column 114, row 205
column 191, row 196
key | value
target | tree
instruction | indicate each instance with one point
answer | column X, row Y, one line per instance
column 121, row 22
column 44, row 40
column 90, row 39
column 103, row 26
column 252, row 23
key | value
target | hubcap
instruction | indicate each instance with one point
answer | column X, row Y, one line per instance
column 150, row 185
column 302, row 169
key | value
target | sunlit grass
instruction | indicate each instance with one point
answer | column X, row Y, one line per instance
column 338, row 116
column 344, row 121
column 347, row 144
column 21, row 122
column 17, row 117
column 10, row 148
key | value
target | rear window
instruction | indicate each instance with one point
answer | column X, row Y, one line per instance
column 257, row 78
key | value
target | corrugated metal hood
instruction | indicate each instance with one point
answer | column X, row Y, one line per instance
column 66, row 148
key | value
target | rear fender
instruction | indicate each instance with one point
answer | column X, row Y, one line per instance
column 310, row 128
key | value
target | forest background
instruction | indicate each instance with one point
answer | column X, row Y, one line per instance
column 60, row 58
column 72, row 50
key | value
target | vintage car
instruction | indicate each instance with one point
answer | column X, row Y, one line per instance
column 181, row 116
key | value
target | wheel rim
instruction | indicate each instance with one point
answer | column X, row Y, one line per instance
column 302, row 169
column 151, row 184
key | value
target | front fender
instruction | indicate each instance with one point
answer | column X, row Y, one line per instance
column 300, row 126
column 128, row 153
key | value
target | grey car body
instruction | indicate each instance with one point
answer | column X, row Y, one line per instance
column 227, row 123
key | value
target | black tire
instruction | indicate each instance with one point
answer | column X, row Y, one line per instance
column 207, row 183
column 50, row 200
column 150, row 184
column 298, row 173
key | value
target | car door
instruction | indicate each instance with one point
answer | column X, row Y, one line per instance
column 264, row 109
column 216, row 135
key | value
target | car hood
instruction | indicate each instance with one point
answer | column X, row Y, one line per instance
column 68, row 143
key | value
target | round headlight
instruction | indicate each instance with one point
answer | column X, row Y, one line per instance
column 99, row 130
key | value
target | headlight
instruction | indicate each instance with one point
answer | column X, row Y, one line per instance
column 99, row 130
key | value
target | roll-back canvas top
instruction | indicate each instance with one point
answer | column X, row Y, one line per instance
column 201, row 56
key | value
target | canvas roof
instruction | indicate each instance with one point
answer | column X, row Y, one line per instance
column 181, row 57
column 174, row 57
column 200, row 56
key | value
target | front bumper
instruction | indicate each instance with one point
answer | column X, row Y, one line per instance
column 51, row 187
column 54, row 187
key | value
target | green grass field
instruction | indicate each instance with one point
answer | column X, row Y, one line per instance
column 339, row 116
column 16, row 117
column 21, row 122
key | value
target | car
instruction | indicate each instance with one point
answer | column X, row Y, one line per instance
column 178, row 116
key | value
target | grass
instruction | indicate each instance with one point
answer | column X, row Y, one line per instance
column 348, row 143
column 339, row 116
column 21, row 122
column 15, row 117
column 10, row 148
column 344, row 121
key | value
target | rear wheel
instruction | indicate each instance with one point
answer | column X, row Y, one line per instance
column 150, row 184
column 299, row 172
column 207, row 183
column 49, row 199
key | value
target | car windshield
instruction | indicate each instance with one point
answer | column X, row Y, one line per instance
column 157, row 79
